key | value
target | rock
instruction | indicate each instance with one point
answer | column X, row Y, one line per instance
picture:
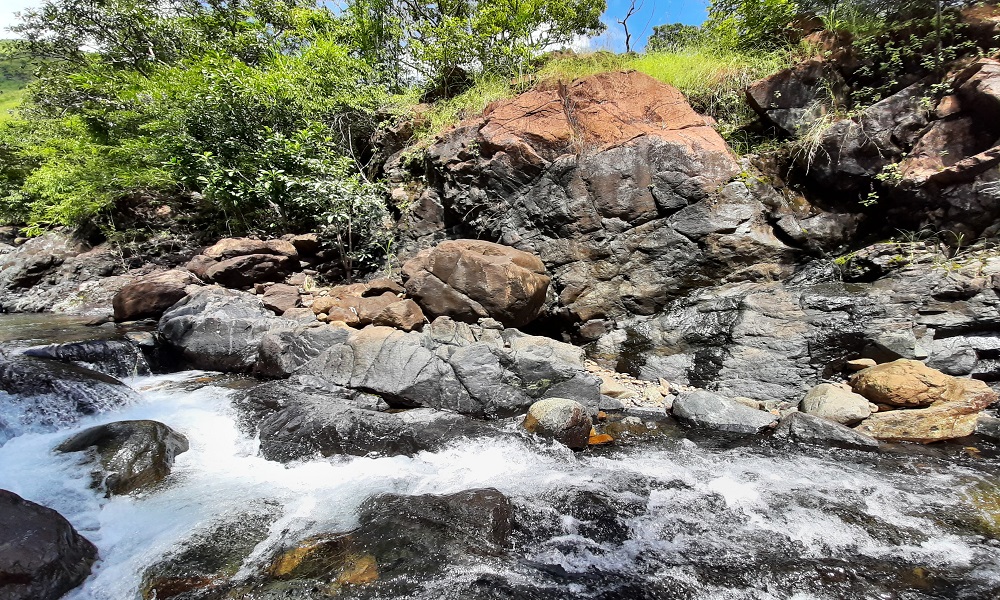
column 803, row 428
column 245, row 270
column 116, row 358
column 228, row 248
column 148, row 297
column 834, row 403
column 457, row 367
column 614, row 389
column 281, row 298
column 306, row 244
column 923, row 425
column 471, row 279
column 859, row 364
column 797, row 97
column 300, row 315
column 335, row 559
column 711, row 411
column 369, row 308
column 381, row 285
column 563, row 420
column 41, row 556
column 404, row 314
column 953, row 356
column 283, row 351
column 133, row 455
column 988, row 427
column 219, row 329
column 910, row 383
column 308, row 416
column 45, row 393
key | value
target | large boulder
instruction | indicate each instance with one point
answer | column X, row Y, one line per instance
column 117, row 358
column 474, row 370
column 561, row 419
column 795, row 98
column 148, row 297
column 232, row 247
column 41, row 556
column 132, row 455
column 283, row 351
column 711, row 411
column 471, row 279
column 218, row 329
column 44, row 394
column 836, row 404
column 613, row 181
column 242, row 262
column 948, row 407
column 309, row 416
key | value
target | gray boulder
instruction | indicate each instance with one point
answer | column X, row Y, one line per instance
column 41, row 556
column 834, row 403
column 218, row 329
column 809, row 429
column 711, row 411
column 132, row 455
column 117, row 358
column 284, row 350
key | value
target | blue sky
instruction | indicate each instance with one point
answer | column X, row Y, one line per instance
column 653, row 12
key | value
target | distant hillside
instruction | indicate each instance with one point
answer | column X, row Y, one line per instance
column 15, row 74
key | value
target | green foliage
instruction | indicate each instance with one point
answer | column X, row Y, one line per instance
column 674, row 37
column 750, row 25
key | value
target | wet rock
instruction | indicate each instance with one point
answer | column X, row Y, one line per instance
column 133, row 455
column 285, row 350
column 711, row 411
column 561, row 419
column 910, row 383
column 147, row 297
column 219, row 329
column 50, row 393
column 41, row 556
column 988, row 427
column 117, row 358
column 803, row 428
column 834, row 403
column 280, row 297
column 337, row 560
column 310, row 416
column 471, row 279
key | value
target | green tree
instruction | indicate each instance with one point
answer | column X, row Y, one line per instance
column 674, row 37
column 750, row 24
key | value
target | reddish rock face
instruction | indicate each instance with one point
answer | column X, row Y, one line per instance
column 149, row 296
column 470, row 279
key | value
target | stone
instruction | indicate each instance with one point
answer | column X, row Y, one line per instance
column 403, row 314
column 808, row 429
column 910, row 383
column 244, row 271
column 232, row 247
column 566, row 421
column 369, row 308
column 859, row 364
column 711, row 411
column 148, row 297
column 988, row 427
column 381, row 285
column 283, row 351
column 116, row 358
column 218, row 329
column 797, row 97
column 280, row 298
column 615, row 389
column 471, row 279
column 41, row 556
column 834, row 403
column 133, row 455
column 306, row 244
column 300, row 315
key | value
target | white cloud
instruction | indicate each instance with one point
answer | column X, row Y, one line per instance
column 7, row 10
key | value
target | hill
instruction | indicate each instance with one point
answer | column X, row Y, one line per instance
column 15, row 74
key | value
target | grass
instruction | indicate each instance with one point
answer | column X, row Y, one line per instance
column 713, row 82
column 15, row 74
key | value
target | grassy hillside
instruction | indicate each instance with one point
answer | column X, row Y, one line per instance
column 15, row 74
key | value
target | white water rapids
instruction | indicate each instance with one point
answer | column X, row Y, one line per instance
column 676, row 518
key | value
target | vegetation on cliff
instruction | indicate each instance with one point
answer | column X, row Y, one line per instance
column 258, row 117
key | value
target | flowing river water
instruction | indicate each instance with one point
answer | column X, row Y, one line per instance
column 675, row 515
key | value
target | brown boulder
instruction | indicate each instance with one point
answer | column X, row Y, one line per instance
column 370, row 308
column 911, row 383
column 471, row 279
column 244, row 271
column 149, row 296
column 200, row 264
column 402, row 314
column 233, row 247
column 952, row 403
column 381, row 285
column 281, row 297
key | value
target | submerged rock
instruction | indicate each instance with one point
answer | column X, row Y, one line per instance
column 133, row 455
column 563, row 420
column 41, row 556
column 803, row 428
column 711, row 411
column 117, row 358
